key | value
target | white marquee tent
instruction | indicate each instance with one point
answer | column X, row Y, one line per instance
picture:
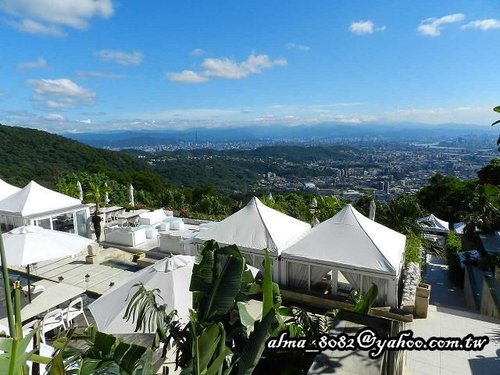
column 255, row 228
column 7, row 189
column 37, row 205
column 364, row 251
column 432, row 223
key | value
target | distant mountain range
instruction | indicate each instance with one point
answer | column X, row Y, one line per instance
column 323, row 133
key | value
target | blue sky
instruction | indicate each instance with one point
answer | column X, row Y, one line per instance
column 89, row 65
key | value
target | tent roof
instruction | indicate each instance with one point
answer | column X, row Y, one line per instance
column 7, row 189
column 351, row 240
column 35, row 199
column 433, row 222
column 257, row 227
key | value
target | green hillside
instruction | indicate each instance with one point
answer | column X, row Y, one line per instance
column 28, row 154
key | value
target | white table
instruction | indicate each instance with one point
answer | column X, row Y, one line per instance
column 54, row 295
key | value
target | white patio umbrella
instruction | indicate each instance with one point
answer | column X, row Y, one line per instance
column 373, row 209
column 172, row 276
column 80, row 190
column 131, row 195
column 32, row 244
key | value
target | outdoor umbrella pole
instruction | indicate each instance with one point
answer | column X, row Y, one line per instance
column 29, row 283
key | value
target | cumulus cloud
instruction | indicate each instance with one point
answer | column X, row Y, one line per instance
column 433, row 26
column 364, row 27
column 39, row 63
column 59, row 93
column 104, row 75
column 487, row 24
column 225, row 68
column 187, row 76
column 50, row 17
column 120, row 57
column 197, row 52
column 54, row 117
column 297, row 47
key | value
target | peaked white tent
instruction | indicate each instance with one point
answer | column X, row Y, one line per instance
column 7, row 189
column 37, row 205
column 172, row 276
column 254, row 228
column 432, row 223
column 364, row 251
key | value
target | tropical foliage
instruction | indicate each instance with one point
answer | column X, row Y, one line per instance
column 222, row 335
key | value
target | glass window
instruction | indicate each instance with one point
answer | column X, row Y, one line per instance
column 64, row 223
column 44, row 223
column 81, row 223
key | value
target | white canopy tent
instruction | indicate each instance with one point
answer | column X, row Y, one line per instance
column 172, row 276
column 433, row 224
column 364, row 251
column 255, row 228
column 7, row 189
column 37, row 205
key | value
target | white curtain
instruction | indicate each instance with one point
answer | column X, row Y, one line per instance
column 298, row 275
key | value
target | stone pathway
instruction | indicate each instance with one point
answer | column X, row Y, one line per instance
column 448, row 317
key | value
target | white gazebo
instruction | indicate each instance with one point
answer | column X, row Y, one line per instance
column 433, row 224
column 351, row 244
column 7, row 189
column 254, row 228
column 37, row 205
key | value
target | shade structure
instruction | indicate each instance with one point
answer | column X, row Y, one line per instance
column 432, row 223
column 7, row 189
column 172, row 276
column 257, row 227
column 35, row 199
column 31, row 244
column 363, row 250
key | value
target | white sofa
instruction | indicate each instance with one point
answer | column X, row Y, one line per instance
column 130, row 236
column 152, row 218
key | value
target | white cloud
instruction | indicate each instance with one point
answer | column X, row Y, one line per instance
column 432, row 26
column 54, row 117
column 49, row 17
column 89, row 75
column 39, row 63
column 365, row 27
column 187, row 76
column 487, row 24
column 120, row 57
column 197, row 52
column 59, row 93
column 227, row 69
column 297, row 47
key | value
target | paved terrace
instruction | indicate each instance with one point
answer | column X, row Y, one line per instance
column 448, row 317
column 73, row 270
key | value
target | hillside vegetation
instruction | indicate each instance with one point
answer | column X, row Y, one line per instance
column 28, row 154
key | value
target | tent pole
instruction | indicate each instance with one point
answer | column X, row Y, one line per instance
column 335, row 281
column 29, row 283
column 309, row 277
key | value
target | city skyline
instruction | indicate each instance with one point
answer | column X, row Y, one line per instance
column 104, row 65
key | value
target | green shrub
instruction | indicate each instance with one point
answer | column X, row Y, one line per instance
column 452, row 247
column 412, row 249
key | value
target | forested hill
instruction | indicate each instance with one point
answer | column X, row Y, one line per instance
column 28, row 154
column 295, row 154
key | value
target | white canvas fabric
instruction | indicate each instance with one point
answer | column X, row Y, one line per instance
column 172, row 276
column 257, row 227
column 432, row 222
column 352, row 241
column 7, row 189
column 31, row 244
column 35, row 199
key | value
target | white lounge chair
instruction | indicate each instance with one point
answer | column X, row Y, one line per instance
column 51, row 321
column 73, row 311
